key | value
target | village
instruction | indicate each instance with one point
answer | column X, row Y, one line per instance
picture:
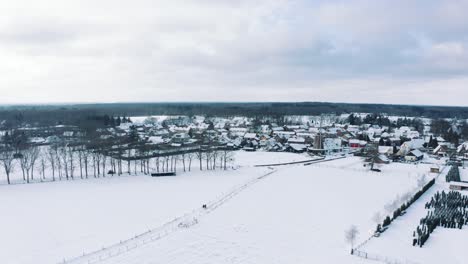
column 218, row 162
column 118, row 144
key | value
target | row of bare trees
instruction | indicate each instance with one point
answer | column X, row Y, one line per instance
column 69, row 161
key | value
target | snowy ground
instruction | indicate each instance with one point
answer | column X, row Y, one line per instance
column 298, row 215
column 43, row 223
column 246, row 158
column 443, row 246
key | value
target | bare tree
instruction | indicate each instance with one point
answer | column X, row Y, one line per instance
column 351, row 235
column 81, row 159
column 377, row 218
column 190, row 157
column 199, row 155
column 51, row 157
column 7, row 155
column 43, row 163
column 28, row 158
column 71, row 160
column 157, row 163
column 214, row 156
column 227, row 156
column 207, row 156
column 182, row 157
column 63, row 156
column 104, row 160
column 58, row 161
column 97, row 163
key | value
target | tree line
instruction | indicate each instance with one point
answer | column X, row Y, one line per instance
column 93, row 156
column 71, row 113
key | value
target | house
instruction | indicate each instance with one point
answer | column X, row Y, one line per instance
column 440, row 150
column 284, row 134
column 414, row 155
column 238, row 131
column 249, row 149
column 332, row 144
column 276, row 147
column 156, row 140
column 180, row 138
column 296, row 148
column 407, row 146
column 462, row 150
column 250, row 136
column 386, row 150
column 356, row 143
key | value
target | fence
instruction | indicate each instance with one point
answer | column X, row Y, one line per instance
column 359, row 253
column 184, row 221
column 384, row 259
column 307, row 162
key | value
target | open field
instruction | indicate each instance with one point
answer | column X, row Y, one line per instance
column 300, row 213
column 48, row 221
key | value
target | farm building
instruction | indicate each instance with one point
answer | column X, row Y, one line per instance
column 414, row 155
column 458, row 186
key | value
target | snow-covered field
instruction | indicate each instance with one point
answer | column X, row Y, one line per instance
column 43, row 223
column 443, row 246
column 296, row 215
column 245, row 158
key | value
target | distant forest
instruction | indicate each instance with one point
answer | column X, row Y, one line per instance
column 73, row 113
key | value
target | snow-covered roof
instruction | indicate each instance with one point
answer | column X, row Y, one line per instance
column 296, row 140
column 462, row 147
column 416, row 143
column 416, row 153
column 156, row 140
column 385, row 149
column 250, row 135
column 298, row 147
column 461, row 184
column 383, row 158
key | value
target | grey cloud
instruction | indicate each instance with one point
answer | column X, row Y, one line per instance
column 134, row 50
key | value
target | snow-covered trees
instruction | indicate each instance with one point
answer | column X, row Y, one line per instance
column 453, row 174
column 449, row 210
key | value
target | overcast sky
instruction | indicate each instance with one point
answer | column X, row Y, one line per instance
column 395, row 51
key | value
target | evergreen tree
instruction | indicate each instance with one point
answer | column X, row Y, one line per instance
column 381, row 142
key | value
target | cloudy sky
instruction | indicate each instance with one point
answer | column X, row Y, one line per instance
column 386, row 51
